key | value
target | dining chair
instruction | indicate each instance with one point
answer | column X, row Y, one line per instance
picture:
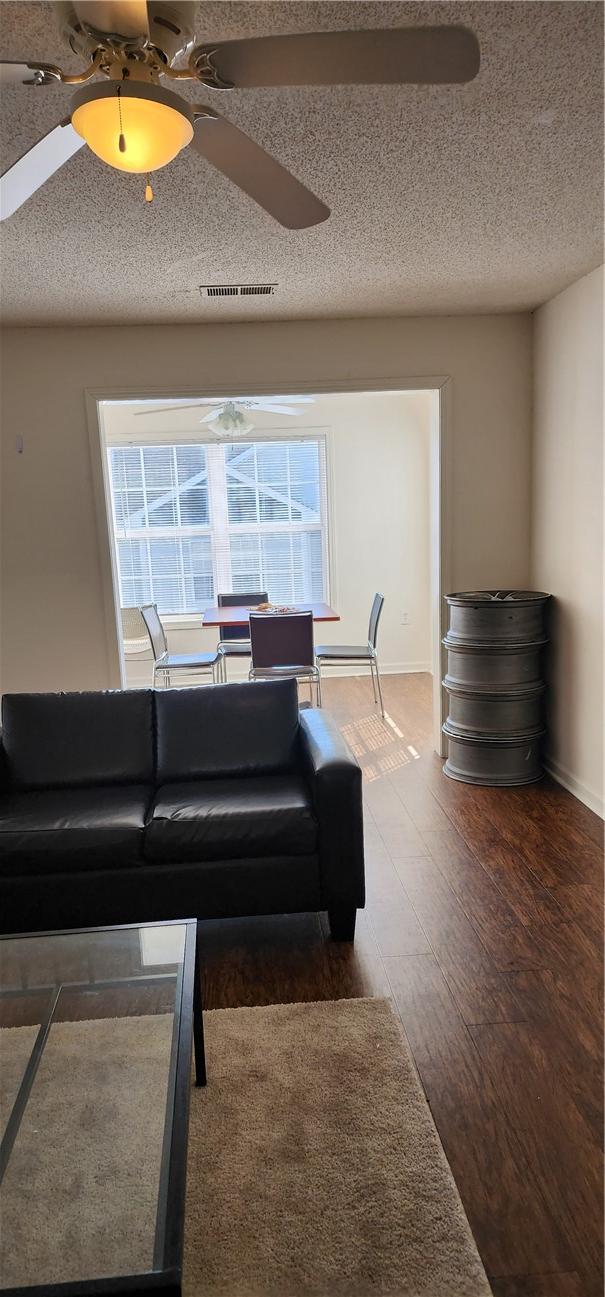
column 282, row 645
column 347, row 654
column 232, row 641
column 165, row 663
column 135, row 638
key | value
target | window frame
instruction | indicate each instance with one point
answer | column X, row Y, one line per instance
column 147, row 536
column 320, row 435
column 257, row 437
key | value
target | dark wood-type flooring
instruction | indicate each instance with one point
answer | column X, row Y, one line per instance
column 484, row 924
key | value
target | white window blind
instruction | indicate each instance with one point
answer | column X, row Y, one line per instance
column 195, row 520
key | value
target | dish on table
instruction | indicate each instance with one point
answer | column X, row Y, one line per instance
column 274, row 608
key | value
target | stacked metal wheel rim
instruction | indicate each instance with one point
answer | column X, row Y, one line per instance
column 495, row 688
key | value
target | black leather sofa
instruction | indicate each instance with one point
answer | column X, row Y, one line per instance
column 215, row 802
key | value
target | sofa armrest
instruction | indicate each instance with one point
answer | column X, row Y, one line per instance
column 3, row 766
column 335, row 779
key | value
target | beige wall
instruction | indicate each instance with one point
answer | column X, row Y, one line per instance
column 53, row 623
column 1, row 688
column 381, row 523
column 377, row 452
column 567, row 526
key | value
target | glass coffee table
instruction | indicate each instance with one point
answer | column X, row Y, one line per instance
column 96, row 1031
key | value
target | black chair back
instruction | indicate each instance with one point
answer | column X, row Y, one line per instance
column 282, row 640
column 374, row 619
column 246, row 600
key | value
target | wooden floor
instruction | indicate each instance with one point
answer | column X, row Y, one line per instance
column 484, row 924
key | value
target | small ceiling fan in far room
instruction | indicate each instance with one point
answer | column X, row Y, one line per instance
column 228, row 417
column 135, row 123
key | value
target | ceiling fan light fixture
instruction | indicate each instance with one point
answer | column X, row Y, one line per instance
column 133, row 126
column 226, row 431
column 231, row 419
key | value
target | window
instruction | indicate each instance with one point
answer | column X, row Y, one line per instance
column 192, row 520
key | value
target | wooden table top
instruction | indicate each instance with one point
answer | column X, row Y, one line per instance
column 239, row 616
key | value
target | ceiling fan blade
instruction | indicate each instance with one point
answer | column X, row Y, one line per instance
column 24, row 74
column 170, row 409
column 276, row 409
column 418, row 55
column 126, row 18
column 214, row 414
column 37, row 166
column 259, row 175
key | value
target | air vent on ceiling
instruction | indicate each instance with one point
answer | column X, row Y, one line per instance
column 237, row 290
column 257, row 290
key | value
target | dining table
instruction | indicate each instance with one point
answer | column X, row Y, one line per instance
column 239, row 615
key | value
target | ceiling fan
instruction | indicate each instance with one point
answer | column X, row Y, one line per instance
column 135, row 123
column 228, row 415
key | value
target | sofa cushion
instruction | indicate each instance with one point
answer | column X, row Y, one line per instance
column 79, row 739
column 226, row 730
column 72, row 829
column 228, row 819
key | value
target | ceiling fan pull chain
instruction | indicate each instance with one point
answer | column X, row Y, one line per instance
column 122, row 140
column 148, row 190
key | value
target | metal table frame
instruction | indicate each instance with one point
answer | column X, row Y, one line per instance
column 188, row 1029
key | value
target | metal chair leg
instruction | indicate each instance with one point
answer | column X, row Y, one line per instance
column 373, row 680
column 379, row 687
column 318, row 687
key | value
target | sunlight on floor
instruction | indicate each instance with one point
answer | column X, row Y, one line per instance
column 369, row 737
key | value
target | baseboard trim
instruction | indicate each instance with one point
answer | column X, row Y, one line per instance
column 575, row 786
column 386, row 669
column 142, row 679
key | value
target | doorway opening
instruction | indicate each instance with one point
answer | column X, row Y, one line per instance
column 321, row 496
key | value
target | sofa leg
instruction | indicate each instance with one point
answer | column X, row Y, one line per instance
column 342, row 922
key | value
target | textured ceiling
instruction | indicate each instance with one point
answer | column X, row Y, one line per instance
column 476, row 198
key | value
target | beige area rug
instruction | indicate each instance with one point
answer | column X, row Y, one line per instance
column 79, row 1194
column 15, row 1048
column 315, row 1169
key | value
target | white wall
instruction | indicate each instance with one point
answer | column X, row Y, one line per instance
column 567, row 526
column 53, row 624
column 381, row 530
column 377, row 451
